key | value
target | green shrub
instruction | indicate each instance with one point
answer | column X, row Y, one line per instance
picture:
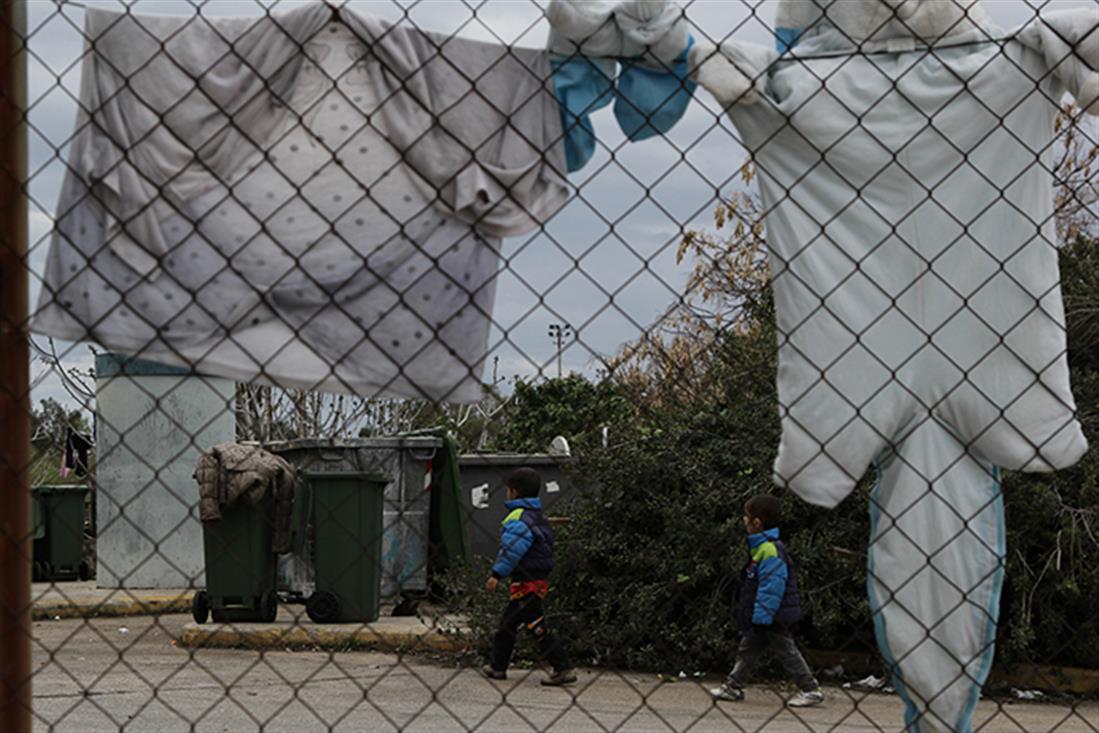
column 570, row 406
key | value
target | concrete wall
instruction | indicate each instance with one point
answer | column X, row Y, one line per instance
column 152, row 424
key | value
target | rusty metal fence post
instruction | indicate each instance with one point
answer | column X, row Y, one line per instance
column 15, row 545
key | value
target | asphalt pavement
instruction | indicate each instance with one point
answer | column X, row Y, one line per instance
column 111, row 674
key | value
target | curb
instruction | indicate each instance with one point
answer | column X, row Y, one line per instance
column 126, row 606
column 289, row 635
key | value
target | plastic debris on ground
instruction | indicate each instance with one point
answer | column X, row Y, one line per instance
column 1027, row 694
column 677, row 677
column 877, row 684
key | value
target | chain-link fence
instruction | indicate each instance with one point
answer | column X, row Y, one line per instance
column 745, row 353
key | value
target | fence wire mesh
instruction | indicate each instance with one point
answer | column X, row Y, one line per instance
column 313, row 286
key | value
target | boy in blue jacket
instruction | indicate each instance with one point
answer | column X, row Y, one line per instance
column 769, row 605
column 526, row 556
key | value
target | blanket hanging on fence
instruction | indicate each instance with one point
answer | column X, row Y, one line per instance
column 294, row 200
column 909, row 190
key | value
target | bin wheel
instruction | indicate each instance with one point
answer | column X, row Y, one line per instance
column 323, row 607
column 200, row 607
column 38, row 572
column 47, row 570
column 406, row 607
column 84, row 571
column 268, row 607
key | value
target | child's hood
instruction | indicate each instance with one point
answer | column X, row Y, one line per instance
column 767, row 535
column 534, row 503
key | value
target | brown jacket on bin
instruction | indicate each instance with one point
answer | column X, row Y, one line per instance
column 230, row 473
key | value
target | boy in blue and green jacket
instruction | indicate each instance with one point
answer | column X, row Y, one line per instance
column 526, row 556
column 770, row 603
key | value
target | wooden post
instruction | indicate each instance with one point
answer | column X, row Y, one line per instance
column 15, row 438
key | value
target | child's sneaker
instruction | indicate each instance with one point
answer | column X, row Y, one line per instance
column 493, row 674
column 725, row 692
column 559, row 678
column 806, row 699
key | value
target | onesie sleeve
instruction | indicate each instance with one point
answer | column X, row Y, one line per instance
column 734, row 73
column 1069, row 42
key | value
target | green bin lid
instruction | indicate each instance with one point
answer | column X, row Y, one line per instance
column 58, row 488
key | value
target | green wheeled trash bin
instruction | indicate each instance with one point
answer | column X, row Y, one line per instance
column 347, row 545
column 58, row 525
column 38, row 531
column 38, row 522
column 240, row 566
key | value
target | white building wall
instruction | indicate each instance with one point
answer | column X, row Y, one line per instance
column 152, row 424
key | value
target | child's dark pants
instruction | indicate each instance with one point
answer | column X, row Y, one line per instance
column 526, row 611
column 755, row 641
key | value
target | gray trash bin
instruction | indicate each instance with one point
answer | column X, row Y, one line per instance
column 483, row 491
column 405, row 513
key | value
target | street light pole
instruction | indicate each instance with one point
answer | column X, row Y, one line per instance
column 559, row 333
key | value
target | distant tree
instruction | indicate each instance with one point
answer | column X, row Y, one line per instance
column 728, row 292
column 271, row 414
column 1077, row 193
column 572, row 406
column 50, row 420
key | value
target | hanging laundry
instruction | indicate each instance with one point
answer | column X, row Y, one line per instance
column 904, row 157
column 75, row 457
column 298, row 199
column 633, row 53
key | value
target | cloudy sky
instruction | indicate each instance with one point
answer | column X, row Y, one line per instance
column 608, row 284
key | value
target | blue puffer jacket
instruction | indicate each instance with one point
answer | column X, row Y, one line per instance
column 526, row 547
column 769, row 593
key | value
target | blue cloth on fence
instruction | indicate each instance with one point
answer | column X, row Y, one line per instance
column 647, row 101
column 786, row 38
column 582, row 86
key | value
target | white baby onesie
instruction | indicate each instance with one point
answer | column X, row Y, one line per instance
column 909, row 201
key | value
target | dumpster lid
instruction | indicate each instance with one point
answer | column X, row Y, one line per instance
column 389, row 442
column 360, row 475
column 513, row 459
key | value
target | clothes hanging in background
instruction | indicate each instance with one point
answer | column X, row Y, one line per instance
column 74, row 459
column 910, row 220
column 318, row 205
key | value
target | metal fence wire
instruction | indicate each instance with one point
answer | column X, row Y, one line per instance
column 570, row 365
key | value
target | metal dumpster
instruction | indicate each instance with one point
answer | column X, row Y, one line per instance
column 483, row 491
column 405, row 513
column 58, row 528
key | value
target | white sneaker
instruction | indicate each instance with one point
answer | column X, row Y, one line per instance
column 729, row 694
column 806, row 699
